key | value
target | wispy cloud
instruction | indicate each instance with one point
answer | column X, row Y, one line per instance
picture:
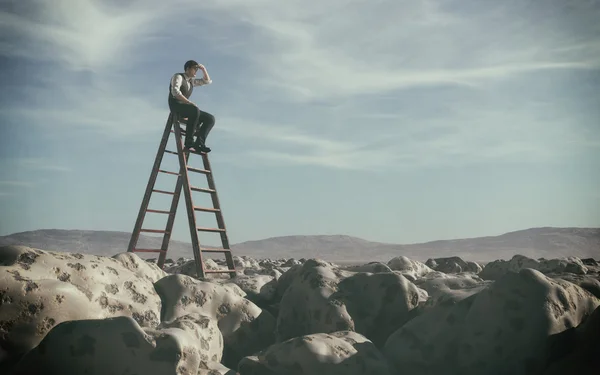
column 24, row 184
column 39, row 164
column 298, row 56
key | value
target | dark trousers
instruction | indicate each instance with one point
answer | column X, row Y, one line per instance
column 195, row 117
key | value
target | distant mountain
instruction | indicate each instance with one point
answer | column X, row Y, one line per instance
column 535, row 242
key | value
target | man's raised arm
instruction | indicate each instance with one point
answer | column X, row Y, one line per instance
column 202, row 81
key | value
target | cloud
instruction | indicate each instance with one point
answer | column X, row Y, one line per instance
column 326, row 76
column 313, row 51
column 40, row 164
column 24, row 184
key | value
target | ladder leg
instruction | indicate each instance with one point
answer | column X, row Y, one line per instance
column 173, row 209
column 151, row 182
column 219, row 215
column 187, row 193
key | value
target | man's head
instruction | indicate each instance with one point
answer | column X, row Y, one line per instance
column 191, row 67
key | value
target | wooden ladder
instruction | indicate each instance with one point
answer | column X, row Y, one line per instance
column 174, row 126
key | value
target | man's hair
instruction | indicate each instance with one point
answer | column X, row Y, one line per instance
column 189, row 64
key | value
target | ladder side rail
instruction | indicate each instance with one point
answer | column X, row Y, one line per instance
column 151, row 182
column 187, row 193
column 219, row 215
column 174, row 203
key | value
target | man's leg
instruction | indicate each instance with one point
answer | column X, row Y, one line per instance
column 193, row 115
column 208, row 121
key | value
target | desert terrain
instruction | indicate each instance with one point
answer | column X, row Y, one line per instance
column 82, row 309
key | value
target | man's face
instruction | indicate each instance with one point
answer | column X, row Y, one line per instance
column 192, row 71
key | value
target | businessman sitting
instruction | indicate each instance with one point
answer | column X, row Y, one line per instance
column 181, row 88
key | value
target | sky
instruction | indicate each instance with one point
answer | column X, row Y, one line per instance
column 393, row 121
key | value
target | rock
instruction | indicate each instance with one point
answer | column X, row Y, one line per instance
column 580, row 354
column 590, row 262
column 188, row 268
column 323, row 299
column 40, row 289
column 260, row 289
column 306, row 307
column 411, row 269
column 119, row 345
column 452, row 265
column 215, row 368
column 496, row 269
column 441, row 287
column 587, row 282
column 343, row 353
column 502, row 329
column 245, row 327
column 373, row 267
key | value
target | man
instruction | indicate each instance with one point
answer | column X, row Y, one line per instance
column 181, row 88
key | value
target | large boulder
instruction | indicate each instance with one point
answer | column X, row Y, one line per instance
column 343, row 353
column 498, row 268
column 40, row 289
column 442, row 287
column 411, row 269
column 121, row 346
column 246, row 328
column 578, row 351
column 323, row 298
column 503, row 329
column 453, row 265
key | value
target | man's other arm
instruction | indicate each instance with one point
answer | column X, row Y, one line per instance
column 176, row 82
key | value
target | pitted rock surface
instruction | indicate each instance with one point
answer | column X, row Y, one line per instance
column 411, row 269
column 336, row 353
column 496, row 269
column 245, row 327
column 377, row 303
column 188, row 267
column 373, row 267
column 40, row 289
column 453, row 265
column 442, row 287
column 502, row 329
column 307, row 305
column 259, row 289
column 120, row 346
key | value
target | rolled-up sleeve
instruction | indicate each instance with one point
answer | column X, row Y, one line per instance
column 176, row 82
column 201, row 81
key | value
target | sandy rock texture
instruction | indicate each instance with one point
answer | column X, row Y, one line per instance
column 245, row 326
column 40, row 289
column 453, row 265
column 64, row 313
column 498, row 268
column 502, row 329
column 343, row 353
column 120, row 346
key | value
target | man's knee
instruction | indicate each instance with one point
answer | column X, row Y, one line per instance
column 208, row 118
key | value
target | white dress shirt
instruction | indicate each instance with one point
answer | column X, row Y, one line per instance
column 177, row 81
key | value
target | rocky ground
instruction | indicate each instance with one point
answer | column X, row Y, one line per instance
column 70, row 313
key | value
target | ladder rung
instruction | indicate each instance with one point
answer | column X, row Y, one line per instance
column 214, row 250
column 153, row 230
column 171, row 152
column 202, row 229
column 218, row 271
column 169, row 172
column 191, row 169
column 206, row 209
column 164, row 192
column 202, row 190
column 159, row 211
column 149, row 251
column 182, row 132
